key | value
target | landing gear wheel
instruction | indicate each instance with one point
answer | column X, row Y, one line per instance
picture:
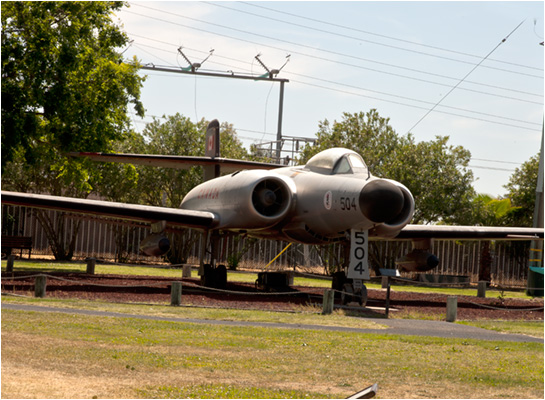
column 214, row 277
column 347, row 293
column 362, row 300
column 221, row 276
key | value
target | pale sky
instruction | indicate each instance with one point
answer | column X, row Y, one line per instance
column 433, row 68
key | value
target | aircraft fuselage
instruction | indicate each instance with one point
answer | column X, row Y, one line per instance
column 316, row 203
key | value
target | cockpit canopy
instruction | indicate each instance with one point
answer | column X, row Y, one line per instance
column 337, row 161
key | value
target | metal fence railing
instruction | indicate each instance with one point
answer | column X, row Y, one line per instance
column 108, row 239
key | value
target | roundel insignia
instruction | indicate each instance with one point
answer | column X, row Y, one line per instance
column 211, row 143
column 328, row 200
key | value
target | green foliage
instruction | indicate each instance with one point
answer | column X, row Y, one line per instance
column 522, row 191
column 175, row 136
column 429, row 169
column 489, row 211
column 367, row 133
column 438, row 176
column 65, row 88
column 64, row 84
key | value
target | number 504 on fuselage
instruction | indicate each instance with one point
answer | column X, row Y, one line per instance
column 318, row 203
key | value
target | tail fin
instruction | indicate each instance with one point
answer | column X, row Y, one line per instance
column 212, row 149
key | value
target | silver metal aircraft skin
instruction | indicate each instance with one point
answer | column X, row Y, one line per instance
column 314, row 204
column 326, row 200
column 320, row 202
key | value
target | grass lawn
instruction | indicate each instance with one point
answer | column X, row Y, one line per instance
column 531, row 328
column 46, row 355
column 234, row 276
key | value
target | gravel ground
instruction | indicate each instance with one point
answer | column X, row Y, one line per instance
column 147, row 289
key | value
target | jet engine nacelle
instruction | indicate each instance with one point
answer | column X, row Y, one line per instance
column 391, row 228
column 155, row 245
column 253, row 199
column 417, row 261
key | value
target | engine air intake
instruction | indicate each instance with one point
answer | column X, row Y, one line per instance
column 270, row 197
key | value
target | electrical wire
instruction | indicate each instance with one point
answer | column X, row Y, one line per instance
column 469, row 73
column 406, row 98
column 337, row 83
column 294, row 43
column 393, row 95
column 337, row 62
column 381, row 35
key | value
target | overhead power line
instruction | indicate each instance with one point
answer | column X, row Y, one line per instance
column 469, row 73
column 298, row 44
column 387, row 94
column 313, row 56
column 403, row 76
column 378, row 35
column 491, row 168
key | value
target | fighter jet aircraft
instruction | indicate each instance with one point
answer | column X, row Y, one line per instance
column 333, row 197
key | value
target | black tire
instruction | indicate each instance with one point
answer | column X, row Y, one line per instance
column 221, row 276
column 362, row 300
column 347, row 294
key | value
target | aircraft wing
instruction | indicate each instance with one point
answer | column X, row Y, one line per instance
column 469, row 232
column 129, row 212
column 180, row 162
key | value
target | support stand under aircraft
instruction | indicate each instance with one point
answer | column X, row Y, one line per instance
column 333, row 198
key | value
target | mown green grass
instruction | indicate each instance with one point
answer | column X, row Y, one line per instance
column 531, row 328
column 219, row 391
column 307, row 315
column 170, row 359
column 236, row 276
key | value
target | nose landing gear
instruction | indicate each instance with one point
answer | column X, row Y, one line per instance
column 352, row 293
column 350, row 290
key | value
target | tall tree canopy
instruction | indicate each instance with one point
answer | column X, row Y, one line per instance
column 177, row 135
column 521, row 189
column 65, row 88
column 429, row 169
column 64, row 83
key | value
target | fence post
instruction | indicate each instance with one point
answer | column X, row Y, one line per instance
column 91, row 263
column 387, row 305
column 481, row 288
column 39, row 286
column 9, row 263
column 385, row 280
column 452, row 308
column 328, row 300
column 186, row 271
column 176, row 294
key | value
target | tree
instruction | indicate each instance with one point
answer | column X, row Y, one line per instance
column 176, row 136
column 65, row 88
column 366, row 133
column 429, row 169
column 522, row 191
column 64, row 82
column 167, row 186
column 438, row 176
column 489, row 211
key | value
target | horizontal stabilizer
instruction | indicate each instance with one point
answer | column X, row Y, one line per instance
column 227, row 165
column 469, row 232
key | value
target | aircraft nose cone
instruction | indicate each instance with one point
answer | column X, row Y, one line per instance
column 381, row 201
